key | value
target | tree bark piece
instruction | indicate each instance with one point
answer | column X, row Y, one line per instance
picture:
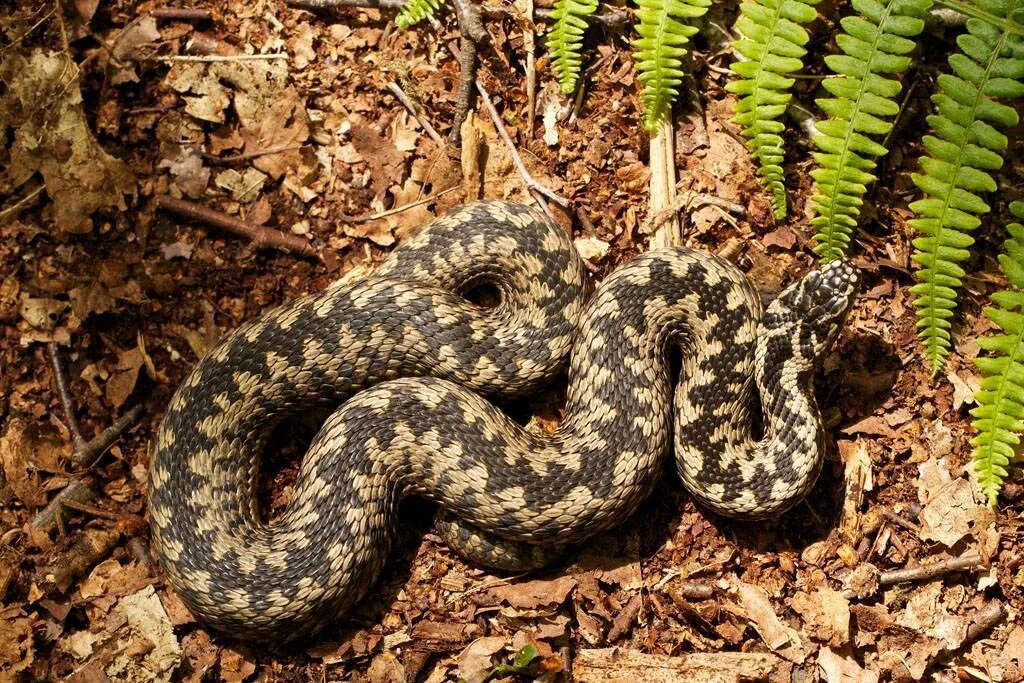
column 619, row 665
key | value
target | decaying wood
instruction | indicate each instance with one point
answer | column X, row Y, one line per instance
column 619, row 665
column 663, row 184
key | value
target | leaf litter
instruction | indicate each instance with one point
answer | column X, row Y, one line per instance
column 298, row 144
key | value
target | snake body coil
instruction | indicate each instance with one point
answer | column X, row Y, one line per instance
column 420, row 428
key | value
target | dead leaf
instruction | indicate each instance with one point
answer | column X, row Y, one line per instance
column 591, row 248
column 535, row 594
column 476, row 661
column 839, row 669
column 826, row 614
column 235, row 666
column 17, row 646
column 244, row 187
column 51, row 136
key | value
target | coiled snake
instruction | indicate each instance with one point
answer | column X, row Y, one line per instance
column 412, row 356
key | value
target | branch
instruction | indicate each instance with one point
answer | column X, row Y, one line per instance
column 85, row 453
column 930, row 571
column 262, row 237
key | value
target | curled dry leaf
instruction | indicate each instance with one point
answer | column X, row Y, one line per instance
column 51, row 136
column 476, row 661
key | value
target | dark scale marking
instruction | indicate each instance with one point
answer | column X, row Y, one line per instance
column 511, row 497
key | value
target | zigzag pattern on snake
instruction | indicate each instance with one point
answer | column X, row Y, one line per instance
column 418, row 353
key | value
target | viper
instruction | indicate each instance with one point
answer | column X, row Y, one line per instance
column 411, row 361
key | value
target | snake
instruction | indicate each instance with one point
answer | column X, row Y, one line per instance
column 411, row 363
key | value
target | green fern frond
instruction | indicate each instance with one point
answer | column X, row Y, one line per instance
column 965, row 148
column 999, row 417
column 415, row 11
column 875, row 42
column 565, row 39
column 659, row 51
column 772, row 46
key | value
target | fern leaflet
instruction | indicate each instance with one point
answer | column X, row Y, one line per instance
column 659, row 51
column 772, row 46
column 999, row 417
column 415, row 11
column 565, row 39
column 874, row 42
column 965, row 148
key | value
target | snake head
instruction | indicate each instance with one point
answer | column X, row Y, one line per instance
column 813, row 309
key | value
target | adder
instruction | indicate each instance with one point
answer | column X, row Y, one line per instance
column 410, row 360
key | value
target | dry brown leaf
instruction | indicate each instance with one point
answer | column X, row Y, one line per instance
column 476, row 661
column 839, row 669
column 235, row 667
column 284, row 124
column 25, row 449
column 535, row 594
column 51, row 136
column 386, row 163
column 17, row 646
column 826, row 614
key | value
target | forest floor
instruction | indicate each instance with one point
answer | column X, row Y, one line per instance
column 102, row 117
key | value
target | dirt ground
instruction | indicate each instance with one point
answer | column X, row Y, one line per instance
column 109, row 110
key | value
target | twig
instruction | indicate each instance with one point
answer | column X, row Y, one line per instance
column 899, row 520
column 530, row 181
column 85, row 452
column 75, row 491
column 414, row 109
column 10, row 212
column 530, row 47
column 623, row 622
column 216, row 58
column 930, row 571
column 72, row 504
column 695, row 591
column 332, row 4
column 262, row 237
column 472, row 36
column 984, row 619
column 99, row 444
column 235, row 158
column 398, row 209
column 615, row 19
column 181, row 14
column 663, row 184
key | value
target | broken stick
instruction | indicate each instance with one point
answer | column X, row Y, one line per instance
column 925, row 572
column 85, row 453
column 262, row 237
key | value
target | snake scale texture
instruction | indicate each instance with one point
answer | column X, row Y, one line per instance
column 410, row 359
